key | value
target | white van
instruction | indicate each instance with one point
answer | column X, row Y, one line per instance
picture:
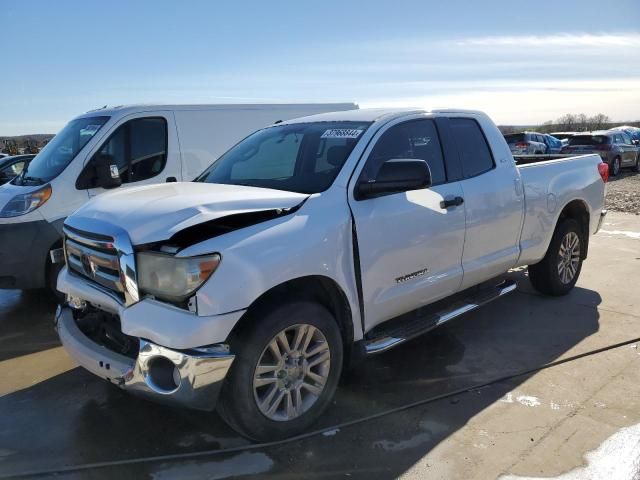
column 142, row 144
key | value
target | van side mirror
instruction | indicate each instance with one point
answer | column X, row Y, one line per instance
column 396, row 175
column 107, row 172
column 101, row 172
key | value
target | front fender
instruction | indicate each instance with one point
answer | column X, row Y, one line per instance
column 315, row 240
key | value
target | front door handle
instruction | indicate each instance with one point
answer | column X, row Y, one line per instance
column 452, row 202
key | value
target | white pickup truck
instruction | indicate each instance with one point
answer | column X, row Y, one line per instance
column 311, row 243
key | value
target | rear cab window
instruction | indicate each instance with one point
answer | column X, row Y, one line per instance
column 473, row 149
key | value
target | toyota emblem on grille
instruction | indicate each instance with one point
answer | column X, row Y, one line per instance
column 88, row 265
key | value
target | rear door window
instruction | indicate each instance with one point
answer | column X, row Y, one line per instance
column 473, row 148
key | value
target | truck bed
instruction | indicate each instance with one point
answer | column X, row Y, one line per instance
column 527, row 159
column 549, row 185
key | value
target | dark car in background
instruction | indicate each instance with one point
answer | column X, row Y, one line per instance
column 614, row 147
column 11, row 167
column 554, row 145
column 526, row 143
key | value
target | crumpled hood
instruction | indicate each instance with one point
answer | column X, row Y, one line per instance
column 155, row 212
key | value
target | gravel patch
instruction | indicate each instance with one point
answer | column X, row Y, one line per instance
column 623, row 193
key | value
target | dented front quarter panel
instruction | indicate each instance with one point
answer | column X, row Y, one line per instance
column 314, row 240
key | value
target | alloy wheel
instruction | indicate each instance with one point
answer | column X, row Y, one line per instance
column 292, row 372
column 569, row 257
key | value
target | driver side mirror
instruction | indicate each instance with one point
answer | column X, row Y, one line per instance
column 395, row 176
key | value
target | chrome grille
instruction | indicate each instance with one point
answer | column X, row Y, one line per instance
column 103, row 254
column 100, row 266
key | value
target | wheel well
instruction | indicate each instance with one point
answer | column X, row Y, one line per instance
column 314, row 287
column 578, row 211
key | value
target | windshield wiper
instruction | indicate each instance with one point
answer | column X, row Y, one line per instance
column 24, row 178
column 37, row 180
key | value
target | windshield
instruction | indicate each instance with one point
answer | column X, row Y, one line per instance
column 303, row 157
column 59, row 152
column 515, row 138
column 589, row 140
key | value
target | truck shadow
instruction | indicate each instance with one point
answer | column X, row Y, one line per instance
column 82, row 419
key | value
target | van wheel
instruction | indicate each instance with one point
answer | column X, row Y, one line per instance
column 286, row 371
column 615, row 167
column 637, row 167
column 557, row 273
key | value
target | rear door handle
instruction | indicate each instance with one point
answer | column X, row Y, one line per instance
column 452, row 202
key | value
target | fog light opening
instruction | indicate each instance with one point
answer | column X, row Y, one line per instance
column 162, row 375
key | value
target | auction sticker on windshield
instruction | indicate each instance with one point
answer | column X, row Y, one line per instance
column 342, row 133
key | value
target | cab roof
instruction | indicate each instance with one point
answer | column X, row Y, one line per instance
column 372, row 115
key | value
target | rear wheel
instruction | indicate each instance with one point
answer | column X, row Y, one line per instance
column 285, row 373
column 615, row 167
column 557, row 273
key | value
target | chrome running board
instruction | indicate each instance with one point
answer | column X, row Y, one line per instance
column 394, row 332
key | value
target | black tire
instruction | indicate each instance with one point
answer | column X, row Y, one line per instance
column 238, row 405
column 637, row 166
column 544, row 275
column 615, row 167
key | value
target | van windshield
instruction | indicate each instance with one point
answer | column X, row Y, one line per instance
column 301, row 157
column 60, row 151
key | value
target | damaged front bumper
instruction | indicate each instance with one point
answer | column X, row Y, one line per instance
column 191, row 378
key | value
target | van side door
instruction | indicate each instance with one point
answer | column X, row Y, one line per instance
column 144, row 148
column 493, row 202
column 409, row 243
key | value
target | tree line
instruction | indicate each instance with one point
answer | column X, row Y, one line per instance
column 571, row 122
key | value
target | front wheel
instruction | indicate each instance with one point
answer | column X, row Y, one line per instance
column 557, row 273
column 287, row 367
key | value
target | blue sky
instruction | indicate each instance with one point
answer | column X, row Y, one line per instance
column 522, row 62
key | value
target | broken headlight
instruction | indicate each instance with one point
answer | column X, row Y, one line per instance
column 173, row 278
